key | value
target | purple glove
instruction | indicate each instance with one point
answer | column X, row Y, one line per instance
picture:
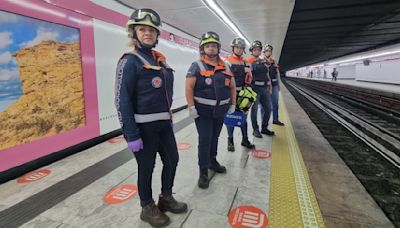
column 136, row 145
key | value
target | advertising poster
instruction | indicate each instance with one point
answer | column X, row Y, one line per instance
column 41, row 87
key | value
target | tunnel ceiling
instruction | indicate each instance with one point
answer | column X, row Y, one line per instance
column 264, row 20
column 320, row 30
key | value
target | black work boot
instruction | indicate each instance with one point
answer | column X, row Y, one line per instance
column 217, row 167
column 169, row 203
column 231, row 146
column 152, row 214
column 203, row 179
column 246, row 143
column 257, row 133
column 277, row 122
column 266, row 131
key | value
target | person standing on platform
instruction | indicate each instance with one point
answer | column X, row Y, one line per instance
column 261, row 84
column 242, row 73
column 275, row 80
column 210, row 94
column 335, row 74
column 144, row 86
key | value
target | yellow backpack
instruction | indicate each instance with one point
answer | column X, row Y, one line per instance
column 245, row 99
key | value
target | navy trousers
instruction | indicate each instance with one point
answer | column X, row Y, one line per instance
column 157, row 136
column 208, row 130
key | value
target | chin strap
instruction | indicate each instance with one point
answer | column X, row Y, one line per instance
column 211, row 56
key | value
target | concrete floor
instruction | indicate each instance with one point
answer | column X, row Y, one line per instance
column 246, row 183
column 342, row 199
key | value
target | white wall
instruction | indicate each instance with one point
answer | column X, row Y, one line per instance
column 386, row 71
column 384, row 66
column 111, row 41
column 345, row 72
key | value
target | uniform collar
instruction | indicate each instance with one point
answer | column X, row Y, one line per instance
column 206, row 60
column 235, row 58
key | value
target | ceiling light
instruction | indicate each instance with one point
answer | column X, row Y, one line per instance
column 361, row 57
column 214, row 7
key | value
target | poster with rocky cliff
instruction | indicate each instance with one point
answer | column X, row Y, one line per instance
column 41, row 86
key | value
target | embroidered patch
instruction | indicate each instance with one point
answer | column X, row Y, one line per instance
column 208, row 81
column 156, row 82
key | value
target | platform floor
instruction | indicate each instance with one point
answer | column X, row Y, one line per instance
column 273, row 183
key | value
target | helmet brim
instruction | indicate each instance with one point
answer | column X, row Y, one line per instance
column 144, row 22
column 209, row 40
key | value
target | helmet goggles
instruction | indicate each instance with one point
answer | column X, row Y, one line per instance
column 141, row 15
column 209, row 37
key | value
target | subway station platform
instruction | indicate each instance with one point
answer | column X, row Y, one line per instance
column 293, row 179
column 392, row 88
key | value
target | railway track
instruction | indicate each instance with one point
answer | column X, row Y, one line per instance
column 365, row 136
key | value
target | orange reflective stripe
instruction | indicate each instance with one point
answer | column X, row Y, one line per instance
column 219, row 67
column 160, row 57
column 235, row 59
column 251, row 60
column 206, row 73
column 206, row 60
column 228, row 73
column 150, row 67
column 232, row 58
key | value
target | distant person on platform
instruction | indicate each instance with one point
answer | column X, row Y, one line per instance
column 144, row 86
column 335, row 74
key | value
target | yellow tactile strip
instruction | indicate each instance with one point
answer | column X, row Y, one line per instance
column 292, row 199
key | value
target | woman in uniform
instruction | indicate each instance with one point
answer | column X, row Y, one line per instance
column 144, row 86
column 210, row 94
column 242, row 75
column 261, row 84
column 274, row 75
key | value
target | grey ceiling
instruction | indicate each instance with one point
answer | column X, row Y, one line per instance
column 264, row 20
column 320, row 30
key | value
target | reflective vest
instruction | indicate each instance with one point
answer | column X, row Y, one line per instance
column 273, row 72
column 212, row 92
column 238, row 68
column 154, row 89
column 259, row 71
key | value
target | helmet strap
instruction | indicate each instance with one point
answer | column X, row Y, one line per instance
column 212, row 56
